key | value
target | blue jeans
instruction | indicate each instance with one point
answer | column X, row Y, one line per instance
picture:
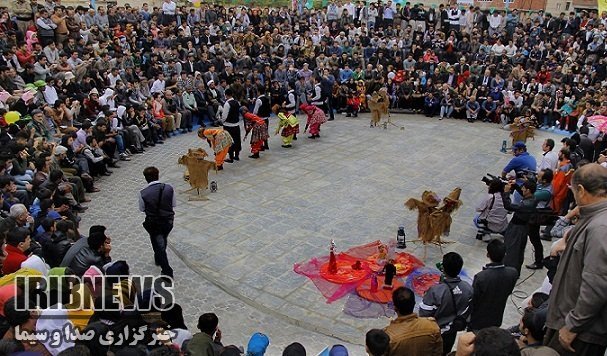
column 119, row 143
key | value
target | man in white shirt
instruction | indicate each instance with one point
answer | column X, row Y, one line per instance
column 168, row 12
column 550, row 159
column 158, row 85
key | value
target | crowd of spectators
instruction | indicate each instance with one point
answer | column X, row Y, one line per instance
column 82, row 89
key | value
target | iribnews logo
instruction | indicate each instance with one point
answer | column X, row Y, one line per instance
column 107, row 293
column 121, row 337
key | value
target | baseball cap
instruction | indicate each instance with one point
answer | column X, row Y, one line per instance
column 257, row 345
column 519, row 145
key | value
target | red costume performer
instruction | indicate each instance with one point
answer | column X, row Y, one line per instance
column 259, row 131
column 316, row 117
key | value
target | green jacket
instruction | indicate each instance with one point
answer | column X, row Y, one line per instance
column 202, row 344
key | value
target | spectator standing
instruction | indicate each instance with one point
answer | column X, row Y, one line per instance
column 409, row 334
column 449, row 301
column 157, row 201
column 491, row 288
column 550, row 159
column 576, row 320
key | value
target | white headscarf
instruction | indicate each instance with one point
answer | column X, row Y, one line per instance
column 54, row 321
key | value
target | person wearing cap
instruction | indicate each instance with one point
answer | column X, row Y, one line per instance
column 258, row 344
column 521, row 162
column 37, row 123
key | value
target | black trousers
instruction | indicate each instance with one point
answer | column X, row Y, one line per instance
column 448, row 341
column 515, row 239
column 236, row 147
column 534, row 238
column 159, row 234
column 581, row 348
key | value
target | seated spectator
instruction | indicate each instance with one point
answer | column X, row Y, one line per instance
column 491, row 341
column 294, row 349
column 377, row 343
column 258, row 343
column 23, row 319
column 208, row 340
column 17, row 242
column 95, row 253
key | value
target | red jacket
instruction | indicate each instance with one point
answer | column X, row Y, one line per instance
column 14, row 258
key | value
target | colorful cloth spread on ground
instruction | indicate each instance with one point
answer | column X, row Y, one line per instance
column 351, row 274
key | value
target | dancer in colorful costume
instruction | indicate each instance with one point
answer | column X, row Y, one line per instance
column 289, row 125
column 220, row 141
column 316, row 117
column 259, row 131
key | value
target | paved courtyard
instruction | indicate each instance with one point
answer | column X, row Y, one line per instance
column 233, row 254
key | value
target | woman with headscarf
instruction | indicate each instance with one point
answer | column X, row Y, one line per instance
column 316, row 117
column 135, row 136
column 52, row 324
column 220, row 141
column 258, row 129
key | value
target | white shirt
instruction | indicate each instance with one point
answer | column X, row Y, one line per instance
column 50, row 95
column 168, row 8
column 158, row 86
column 549, row 160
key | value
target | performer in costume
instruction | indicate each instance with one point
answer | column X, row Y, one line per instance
column 220, row 141
column 259, row 131
column 230, row 118
column 318, row 99
column 263, row 109
column 378, row 104
column 291, row 104
column 316, row 117
column 289, row 125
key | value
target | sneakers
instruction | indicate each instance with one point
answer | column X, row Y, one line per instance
column 124, row 157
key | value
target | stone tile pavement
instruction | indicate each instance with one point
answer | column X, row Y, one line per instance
column 234, row 253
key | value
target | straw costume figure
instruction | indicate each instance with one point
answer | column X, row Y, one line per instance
column 197, row 168
column 521, row 129
column 378, row 104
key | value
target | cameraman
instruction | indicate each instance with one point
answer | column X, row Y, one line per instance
column 492, row 217
column 515, row 236
column 521, row 162
column 544, row 215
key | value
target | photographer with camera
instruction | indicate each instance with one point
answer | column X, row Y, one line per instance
column 544, row 215
column 515, row 236
column 492, row 217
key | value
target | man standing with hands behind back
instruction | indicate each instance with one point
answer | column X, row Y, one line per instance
column 157, row 201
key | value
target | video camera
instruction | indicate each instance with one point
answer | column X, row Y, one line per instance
column 526, row 174
column 490, row 178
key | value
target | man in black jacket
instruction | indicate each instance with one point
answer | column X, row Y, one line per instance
column 95, row 253
column 491, row 288
column 157, row 201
